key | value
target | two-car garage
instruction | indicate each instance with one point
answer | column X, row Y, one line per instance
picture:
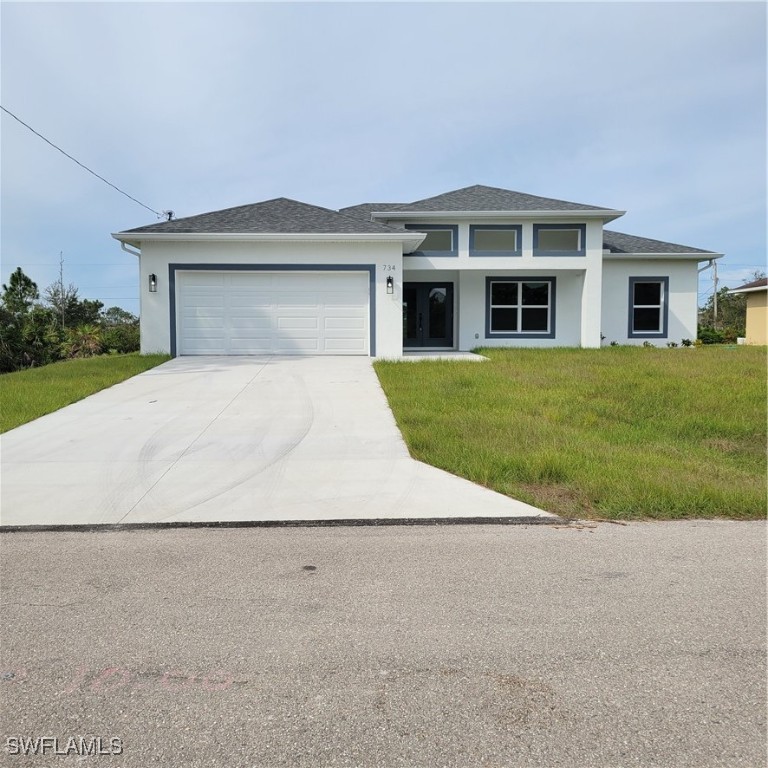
column 272, row 312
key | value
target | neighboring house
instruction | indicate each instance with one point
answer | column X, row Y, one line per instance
column 756, row 294
column 475, row 267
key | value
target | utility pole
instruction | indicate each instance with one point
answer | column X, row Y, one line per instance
column 61, row 285
column 714, row 297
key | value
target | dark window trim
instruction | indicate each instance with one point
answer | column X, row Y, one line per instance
column 454, row 228
column 207, row 267
column 663, row 333
column 582, row 228
column 517, row 228
column 522, row 279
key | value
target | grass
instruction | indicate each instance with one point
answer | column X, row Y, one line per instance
column 619, row 433
column 29, row 394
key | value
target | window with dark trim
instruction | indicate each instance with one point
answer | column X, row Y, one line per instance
column 495, row 240
column 441, row 239
column 648, row 307
column 520, row 307
column 559, row 239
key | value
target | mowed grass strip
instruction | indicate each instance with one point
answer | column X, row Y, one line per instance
column 621, row 433
column 29, row 394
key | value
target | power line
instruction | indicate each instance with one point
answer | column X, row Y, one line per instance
column 66, row 154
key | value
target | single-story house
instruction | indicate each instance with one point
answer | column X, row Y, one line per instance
column 756, row 294
column 478, row 266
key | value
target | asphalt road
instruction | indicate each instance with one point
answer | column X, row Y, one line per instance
column 637, row 645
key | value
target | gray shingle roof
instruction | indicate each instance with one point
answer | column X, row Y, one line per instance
column 618, row 242
column 761, row 282
column 482, row 198
column 364, row 211
column 280, row 215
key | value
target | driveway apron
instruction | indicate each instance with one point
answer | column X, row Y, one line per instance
column 221, row 439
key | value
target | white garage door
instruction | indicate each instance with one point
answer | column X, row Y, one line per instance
column 286, row 313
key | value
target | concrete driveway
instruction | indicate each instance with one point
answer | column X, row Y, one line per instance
column 212, row 439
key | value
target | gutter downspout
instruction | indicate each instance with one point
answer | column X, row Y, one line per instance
column 124, row 247
column 708, row 265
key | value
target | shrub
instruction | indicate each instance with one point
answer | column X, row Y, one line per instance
column 42, row 336
column 731, row 333
column 687, row 343
column 83, row 341
column 121, row 339
column 709, row 335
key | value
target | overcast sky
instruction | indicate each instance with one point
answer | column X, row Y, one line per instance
column 658, row 109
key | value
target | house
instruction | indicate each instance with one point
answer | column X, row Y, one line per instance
column 756, row 294
column 478, row 266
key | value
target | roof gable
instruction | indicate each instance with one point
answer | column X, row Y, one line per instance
column 281, row 215
column 481, row 198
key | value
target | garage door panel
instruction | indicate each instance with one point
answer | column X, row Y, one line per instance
column 345, row 346
column 250, row 346
column 242, row 325
column 297, row 346
column 353, row 324
column 299, row 323
column 243, row 313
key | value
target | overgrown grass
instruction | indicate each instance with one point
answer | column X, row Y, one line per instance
column 29, row 394
column 620, row 432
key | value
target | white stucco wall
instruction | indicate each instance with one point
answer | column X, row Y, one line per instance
column 683, row 298
column 472, row 309
column 578, row 288
column 156, row 256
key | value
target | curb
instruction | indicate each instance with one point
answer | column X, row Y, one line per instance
column 359, row 523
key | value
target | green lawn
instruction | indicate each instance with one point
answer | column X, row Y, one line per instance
column 620, row 433
column 29, row 394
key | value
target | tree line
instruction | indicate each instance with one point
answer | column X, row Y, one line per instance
column 37, row 330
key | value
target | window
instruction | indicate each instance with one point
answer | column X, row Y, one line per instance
column 648, row 307
column 520, row 308
column 559, row 239
column 441, row 239
column 493, row 240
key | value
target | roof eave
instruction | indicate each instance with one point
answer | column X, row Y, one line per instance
column 757, row 289
column 698, row 256
column 601, row 213
column 409, row 240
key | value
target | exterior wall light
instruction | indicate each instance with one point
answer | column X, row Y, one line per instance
column 153, row 283
column 390, row 285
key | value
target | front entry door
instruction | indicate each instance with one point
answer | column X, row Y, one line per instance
column 428, row 314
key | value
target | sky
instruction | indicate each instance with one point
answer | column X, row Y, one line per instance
column 658, row 109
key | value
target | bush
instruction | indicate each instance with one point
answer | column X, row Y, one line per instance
column 709, row 335
column 42, row 337
column 83, row 341
column 731, row 333
column 121, row 339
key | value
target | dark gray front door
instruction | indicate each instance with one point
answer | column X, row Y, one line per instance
column 428, row 314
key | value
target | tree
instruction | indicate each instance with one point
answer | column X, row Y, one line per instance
column 731, row 312
column 118, row 316
column 71, row 310
column 120, row 330
column 19, row 293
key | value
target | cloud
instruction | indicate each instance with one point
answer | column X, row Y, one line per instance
column 658, row 108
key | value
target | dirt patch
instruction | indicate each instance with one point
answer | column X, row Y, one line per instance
column 560, row 499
